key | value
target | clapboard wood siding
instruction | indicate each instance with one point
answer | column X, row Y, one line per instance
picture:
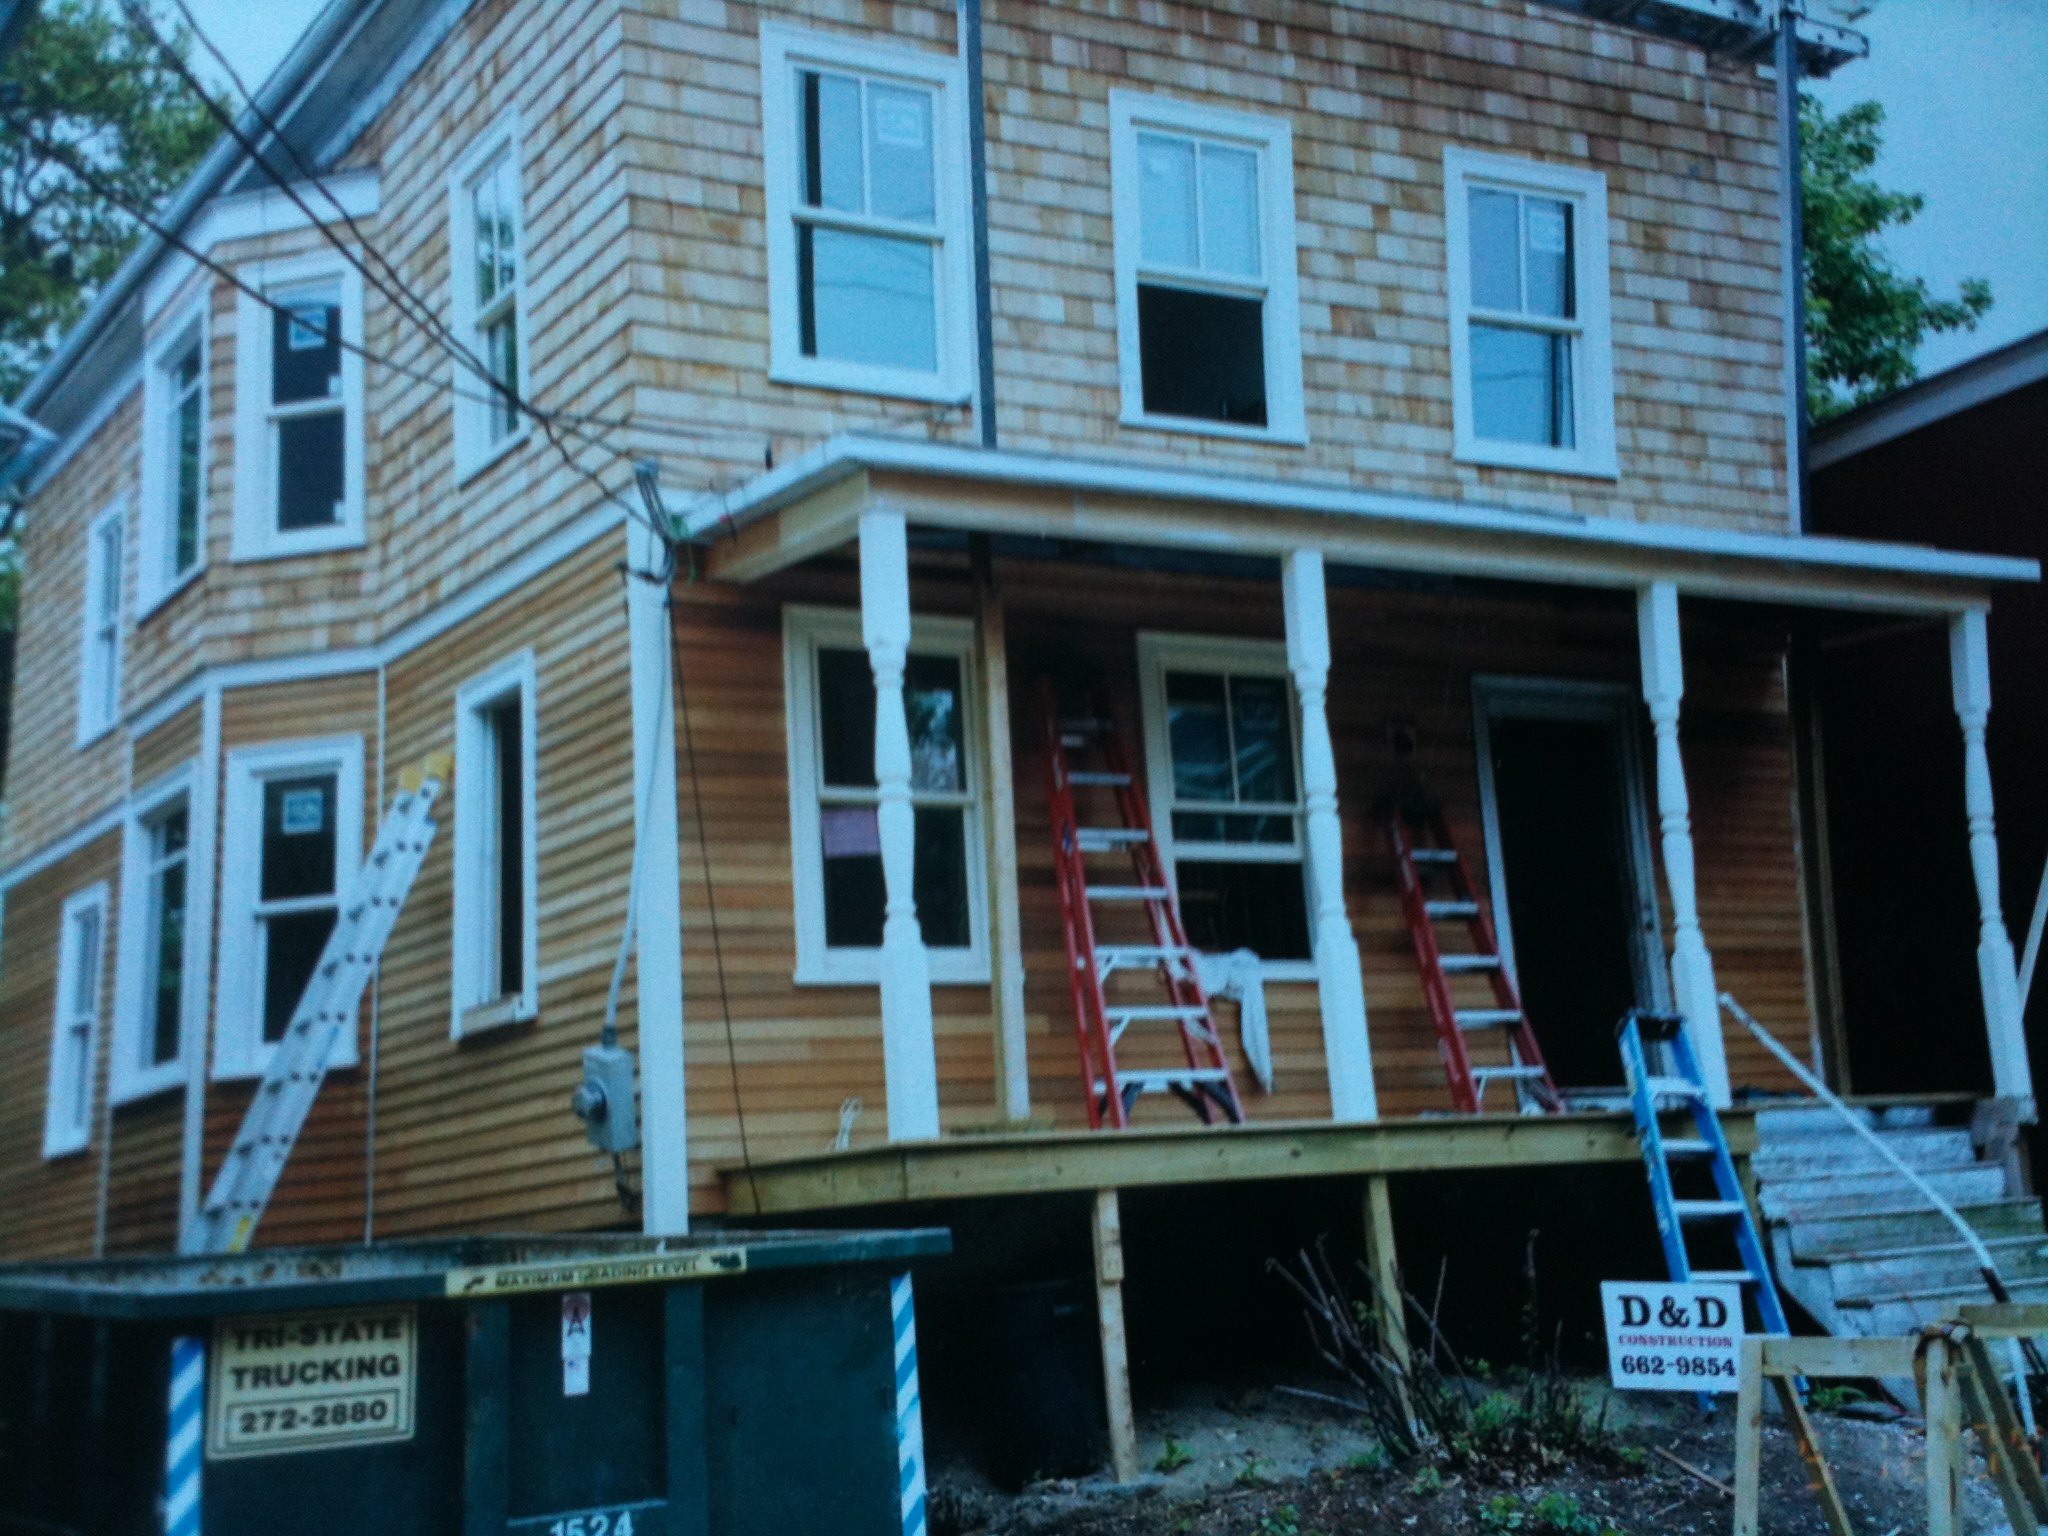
column 51, row 1203
column 171, row 745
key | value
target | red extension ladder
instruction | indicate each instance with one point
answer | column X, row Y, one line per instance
column 1421, row 844
column 1159, row 945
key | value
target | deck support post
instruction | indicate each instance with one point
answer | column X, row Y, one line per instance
column 1107, row 1228
column 999, row 820
column 909, row 1057
column 1384, row 1264
column 1340, row 984
column 1692, row 968
column 1997, row 972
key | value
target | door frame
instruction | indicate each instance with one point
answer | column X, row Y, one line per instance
column 1500, row 697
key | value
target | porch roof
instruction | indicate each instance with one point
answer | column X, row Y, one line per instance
column 814, row 503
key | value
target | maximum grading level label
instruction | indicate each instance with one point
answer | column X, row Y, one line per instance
column 307, row 1381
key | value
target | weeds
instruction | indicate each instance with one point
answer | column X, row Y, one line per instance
column 1829, row 1399
column 1253, row 1473
column 1282, row 1522
column 1173, row 1457
column 1554, row 1514
column 1428, row 1480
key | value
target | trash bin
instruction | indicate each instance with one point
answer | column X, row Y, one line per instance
column 713, row 1386
column 1046, row 1362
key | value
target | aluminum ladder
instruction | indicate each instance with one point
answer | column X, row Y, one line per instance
column 298, row 1065
column 1421, row 842
column 1728, row 1209
column 1203, row 1081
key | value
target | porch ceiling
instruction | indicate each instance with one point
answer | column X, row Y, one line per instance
column 972, row 1167
column 815, row 503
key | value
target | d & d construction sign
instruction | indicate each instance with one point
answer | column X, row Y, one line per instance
column 309, row 1381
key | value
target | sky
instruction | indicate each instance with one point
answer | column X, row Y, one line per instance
column 1964, row 85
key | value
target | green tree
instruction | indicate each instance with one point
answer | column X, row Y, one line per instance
column 87, row 81
column 1864, row 317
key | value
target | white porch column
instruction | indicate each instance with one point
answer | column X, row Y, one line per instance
column 1342, row 988
column 1970, row 671
column 908, row 1056
column 1692, row 969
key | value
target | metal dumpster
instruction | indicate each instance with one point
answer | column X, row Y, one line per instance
column 712, row 1386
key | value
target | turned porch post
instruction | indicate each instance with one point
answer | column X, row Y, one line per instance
column 908, row 1057
column 1342, row 988
column 1970, row 672
column 1692, row 969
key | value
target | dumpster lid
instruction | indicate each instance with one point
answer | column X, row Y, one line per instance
column 286, row 1279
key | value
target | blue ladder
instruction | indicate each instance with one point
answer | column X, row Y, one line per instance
column 1674, row 1214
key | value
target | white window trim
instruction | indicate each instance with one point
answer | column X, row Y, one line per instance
column 129, row 1078
column 1157, row 655
column 1593, row 366
column 1273, row 140
column 239, row 1049
column 805, row 630
column 155, row 581
column 474, row 450
column 476, row 1005
column 91, row 686
column 783, row 49
column 61, row 1139
column 256, row 534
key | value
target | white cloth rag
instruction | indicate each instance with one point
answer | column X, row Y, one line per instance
column 1238, row 977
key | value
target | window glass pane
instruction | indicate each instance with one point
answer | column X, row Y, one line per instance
column 1260, row 907
column 931, row 700
column 829, row 130
column 1166, row 201
column 484, row 217
column 504, row 725
column 1198, row 734
column 1265, row 746
column 85, row 976
column 1230, row 211
column 1548, row 256
column 167, row 962
column 1521, row 386
column 940, row 879
column 185, row 453
column 298, row 837
column 846, row 718
column 1494, row 220
column 1218, row 827
column 1202, row 355
column 501, row 356
column 309, row 471
column 305, row 351
column 867, row 299
column 900, row 140
column 852, row 840
column 292, row 943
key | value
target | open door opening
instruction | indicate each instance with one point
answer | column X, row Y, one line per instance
column 1567, row 844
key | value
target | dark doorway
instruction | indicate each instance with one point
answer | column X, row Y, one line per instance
column 1563, row 822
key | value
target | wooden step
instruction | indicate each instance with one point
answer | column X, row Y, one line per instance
column 1819, row 1238
column 1869, row 1278
column 1820, row 1156
column 1847, row 1194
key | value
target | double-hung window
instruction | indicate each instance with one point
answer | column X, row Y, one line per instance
column 1531, row 355
column 870, row 283
column 292, row 839
column 299, row 462
column 486, row 242
column 74, row 1034
column 497, row 866
column 99, row 642
column 833, row 799
column 1208, row 323
column 172, row 527
column 1225, row 784
column 157, row 950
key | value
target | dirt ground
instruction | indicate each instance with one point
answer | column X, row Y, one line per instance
column 1273, row 1464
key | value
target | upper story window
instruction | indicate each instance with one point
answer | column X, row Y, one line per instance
column 870, row 284
column 292, row 839
column 833, row 799
column 75, row 1030
column 486, row 243
column 1225, row 783
column 158, row 952
column 497, row 861
column 299, row 410
column 171, row 536
column 99, row 643
column 1208, row 322
column 1531, row 355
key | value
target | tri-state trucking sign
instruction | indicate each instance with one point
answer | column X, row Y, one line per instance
column 308, row 1381
column 1673, row 1338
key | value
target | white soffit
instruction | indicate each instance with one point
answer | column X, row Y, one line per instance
column 269, row 211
